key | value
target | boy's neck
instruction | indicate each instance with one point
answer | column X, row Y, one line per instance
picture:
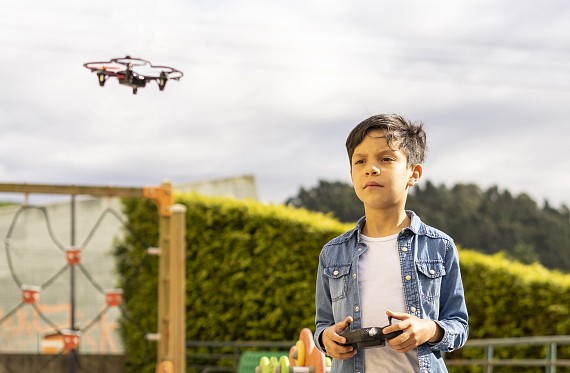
column 385, row 223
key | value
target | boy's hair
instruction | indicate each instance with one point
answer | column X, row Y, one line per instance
column 401, row 134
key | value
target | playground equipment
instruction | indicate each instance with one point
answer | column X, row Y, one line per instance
column 304, row 357
column 171, row 347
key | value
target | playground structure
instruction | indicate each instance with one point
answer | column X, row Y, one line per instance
column 304, row 357
column 171, row 251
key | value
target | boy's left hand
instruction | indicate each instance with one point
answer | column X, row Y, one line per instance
column 416, row 331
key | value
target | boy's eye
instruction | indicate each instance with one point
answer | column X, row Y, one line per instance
column 359, row 161
column 387, row 159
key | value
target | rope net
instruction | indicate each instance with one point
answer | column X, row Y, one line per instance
column 37, row 271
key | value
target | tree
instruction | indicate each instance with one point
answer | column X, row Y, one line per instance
column 488, row 221
column 335, row 197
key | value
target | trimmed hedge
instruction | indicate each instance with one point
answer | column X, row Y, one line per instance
column 510, row 299
column 251, row 273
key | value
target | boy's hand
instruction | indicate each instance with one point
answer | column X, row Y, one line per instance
column 416, row 331
column 331, row 340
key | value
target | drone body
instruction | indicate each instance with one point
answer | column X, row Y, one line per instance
column 133, row 72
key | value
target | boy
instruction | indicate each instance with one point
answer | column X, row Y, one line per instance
column 391, row 264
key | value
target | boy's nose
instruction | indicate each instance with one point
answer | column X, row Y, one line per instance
column 373, row 171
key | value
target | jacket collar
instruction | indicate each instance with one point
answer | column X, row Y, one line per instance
column 415, row 224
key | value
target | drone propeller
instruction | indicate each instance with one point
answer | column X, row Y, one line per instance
column 128, row 60
column 169, row 72
column 101, row 66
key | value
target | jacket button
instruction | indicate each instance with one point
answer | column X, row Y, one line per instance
column 408, row 278
column 412, row 309
column 354, row 276
column 404, row 249
column 335, row 273
column 432, row 272
column 356, row 309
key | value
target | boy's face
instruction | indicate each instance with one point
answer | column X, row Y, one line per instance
column 380, row 175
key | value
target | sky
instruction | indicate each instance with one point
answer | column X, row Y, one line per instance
column 272, row 88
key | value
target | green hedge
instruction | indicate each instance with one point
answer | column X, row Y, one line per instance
column 250, row 269
column 510, row 299
column 251, row 272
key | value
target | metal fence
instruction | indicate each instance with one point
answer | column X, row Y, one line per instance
column 205, row 356
column 549, row 362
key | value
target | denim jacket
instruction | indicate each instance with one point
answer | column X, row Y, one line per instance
column 432, row 289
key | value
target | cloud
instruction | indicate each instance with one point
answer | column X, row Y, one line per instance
column 273, row 88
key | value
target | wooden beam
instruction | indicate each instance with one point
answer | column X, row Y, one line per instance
column 99, row 191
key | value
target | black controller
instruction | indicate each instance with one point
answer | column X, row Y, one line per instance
column 369, row 337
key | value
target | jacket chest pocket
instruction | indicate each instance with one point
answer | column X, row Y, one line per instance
column 338, row 280
column 430, row 273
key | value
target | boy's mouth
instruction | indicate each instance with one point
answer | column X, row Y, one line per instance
column 372, row 184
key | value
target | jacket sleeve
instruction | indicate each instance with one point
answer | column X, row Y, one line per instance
column 453, row 317
column 323, row 305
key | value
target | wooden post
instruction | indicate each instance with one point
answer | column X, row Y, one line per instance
column 163, row 197
column 177, row 294
column 163, row 288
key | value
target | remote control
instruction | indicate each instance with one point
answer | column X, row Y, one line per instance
column 369, row 337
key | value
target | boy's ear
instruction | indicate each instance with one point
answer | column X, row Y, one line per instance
column 416, row 175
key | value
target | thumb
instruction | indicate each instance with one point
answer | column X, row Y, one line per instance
column 345, row 323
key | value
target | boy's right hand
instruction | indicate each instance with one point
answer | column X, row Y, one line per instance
column 331, row 340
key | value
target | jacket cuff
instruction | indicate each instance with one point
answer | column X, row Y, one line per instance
column 446, row 342
column 319, row 341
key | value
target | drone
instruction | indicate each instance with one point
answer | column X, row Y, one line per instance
column 133, row 72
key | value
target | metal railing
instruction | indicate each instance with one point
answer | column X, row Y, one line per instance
column 230, row 353
column 550, row 362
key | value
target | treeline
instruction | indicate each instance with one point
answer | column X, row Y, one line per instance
column 488, row 221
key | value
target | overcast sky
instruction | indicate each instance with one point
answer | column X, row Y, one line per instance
column 272, row 88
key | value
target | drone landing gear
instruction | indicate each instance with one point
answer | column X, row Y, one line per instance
column 102, row 79
column 135, row 90
column 162, row 80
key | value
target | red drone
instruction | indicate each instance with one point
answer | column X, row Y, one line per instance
column 133, row 72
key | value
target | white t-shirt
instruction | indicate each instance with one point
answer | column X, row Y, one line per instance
column 381, row 289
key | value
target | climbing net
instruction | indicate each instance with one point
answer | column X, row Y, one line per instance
column 23, row 264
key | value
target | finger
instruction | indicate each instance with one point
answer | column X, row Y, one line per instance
column 405, row 347
column 404, row 342
column 400, row 340
column 398, row 315
column 342, row 352
column 332, row 333
column 336, row 350
column 339, row 328
column 337, row 338
column 397, row 326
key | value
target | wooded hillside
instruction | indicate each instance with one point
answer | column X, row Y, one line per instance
column 488, row 221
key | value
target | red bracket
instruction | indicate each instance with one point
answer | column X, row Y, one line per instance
column 114, row 297
column 73, row 255
column 70, row 340
column 30, row 294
